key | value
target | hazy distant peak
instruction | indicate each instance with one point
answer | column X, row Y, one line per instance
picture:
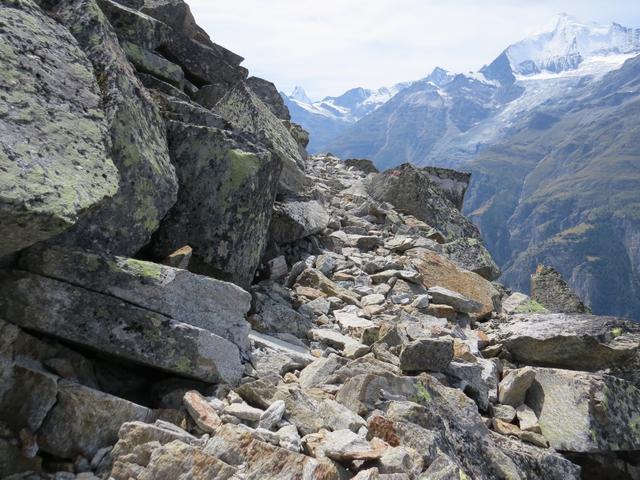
column 300, row 95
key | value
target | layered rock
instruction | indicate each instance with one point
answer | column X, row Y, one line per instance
column 549, row 289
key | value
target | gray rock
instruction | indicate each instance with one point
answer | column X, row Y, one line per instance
column 345, row 446
column 506, row 413
column 424, row 355
column 227, row 189
column 244, row 412
column 361, row 164
column 268, row 93
column 549, row 289
column 295, row 219
column 456, row 300
column 349, row 346
column 320, row 371
column 66, row 127
column 138, row 144
column 581, row 342
column 84, row 420
column 479, row 380
column 272, row 415
column 204, row 302
column 513, row 387
column 117, row 328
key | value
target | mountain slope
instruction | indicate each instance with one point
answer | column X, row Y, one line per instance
column 549, row 130
column 564, row 190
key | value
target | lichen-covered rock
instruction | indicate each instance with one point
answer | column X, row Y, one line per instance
column 117, row 328
column 148, row 185
column 584, row 412
column 246, row 112
column 429, row 354
column 227, row 189
column 550, row 290
column 472, row 255
column 437, row 270
column 204, row 302
column 580, row 342
column 54, row 149
column 412, row 191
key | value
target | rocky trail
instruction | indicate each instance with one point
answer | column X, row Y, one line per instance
column 220, row 305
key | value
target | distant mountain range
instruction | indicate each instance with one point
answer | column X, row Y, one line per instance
column 551, row 131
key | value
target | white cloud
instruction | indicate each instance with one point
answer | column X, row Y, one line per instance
column 333, row 45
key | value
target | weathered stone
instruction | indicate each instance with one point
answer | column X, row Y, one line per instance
column 203, row 414
column 506, row 413
column 170, row 461
column 84, row 420
column 470, row 254
column 432, row 355
column 272, row 415
column 400, row 460
column 262, row 460
column 444, row 468
column 132, row 434
column 320, row 371
column 227, row 189
column 315, row 279
column 151, row 63
column 513, row 387
column 581, row 342
column 349, row 346
column 336, row 416
column 361, row 164
column 275, row 313
column 583, row 412
column 54, row 150
column 246, row 112
column 549, row 289
column 527, row 419
column 294, row 219
column 412, row 191
column 461, row 303
column 277, row 267
column 213, row 305
column 30, row 397
column 138, row 146
column 244, row 412
column 437, row 270
column 478, row 380
column 180, row 258
column 345, row 446
column 289, row 356
column 518, row 303
column 124, row 330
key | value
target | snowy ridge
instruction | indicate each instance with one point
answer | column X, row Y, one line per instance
column 569, row 44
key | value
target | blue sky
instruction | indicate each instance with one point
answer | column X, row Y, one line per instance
column 330, row 46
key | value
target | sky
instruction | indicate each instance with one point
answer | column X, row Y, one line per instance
column 330, row 46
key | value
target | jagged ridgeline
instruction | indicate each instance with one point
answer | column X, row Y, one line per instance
column 185, row 293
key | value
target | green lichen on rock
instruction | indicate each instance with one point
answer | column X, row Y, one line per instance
column 142, row 269
column 54, row 153
column 531, row 306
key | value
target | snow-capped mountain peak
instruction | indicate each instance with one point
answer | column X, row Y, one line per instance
column 569, row 44
column 300, row 95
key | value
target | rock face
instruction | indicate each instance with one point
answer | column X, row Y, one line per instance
column 65, row 168
column 549, row 289
column 371, row 343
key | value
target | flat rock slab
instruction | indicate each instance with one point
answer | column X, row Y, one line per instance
column 217, row 306
column 112, row 326
column 581, row 342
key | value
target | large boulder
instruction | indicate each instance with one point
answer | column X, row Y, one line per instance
column 138, row 147
column 247, row 113
column 412, row 191
column 585, row 412
column 439, row 271
column 580, row 342
column 451, row 183
column 550, row 290
column 227, row 190
column 54, row 148
column 204, row 302
column 117, row 328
